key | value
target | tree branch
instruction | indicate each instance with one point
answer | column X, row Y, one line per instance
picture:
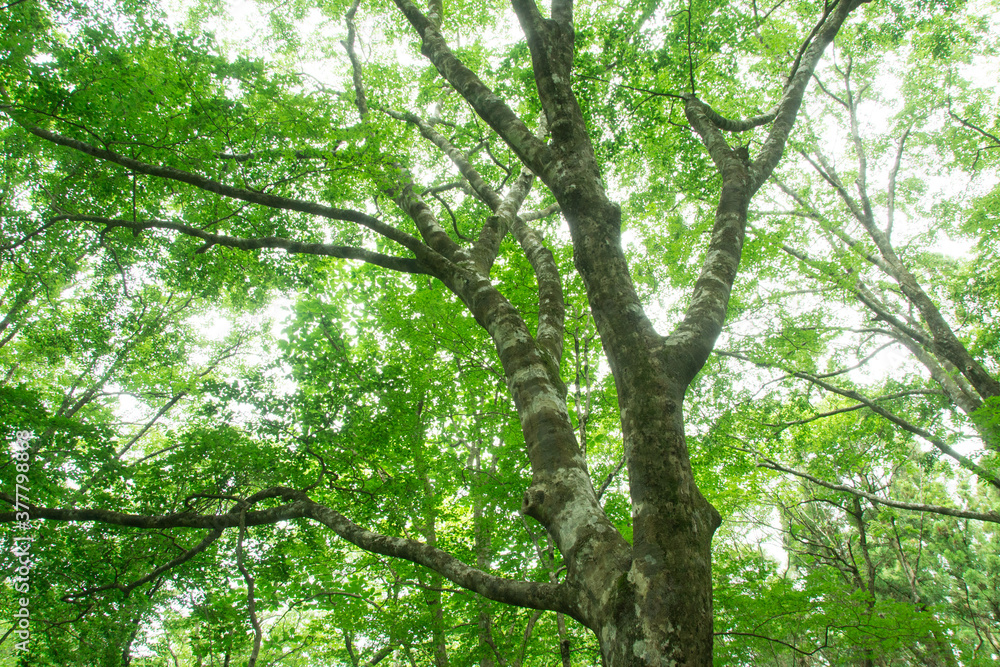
column 765, row 462
column 864, row 294
column 262, row 198
column 551, row 305
column 967, row 463
column 533, row 595
column 791, row 100
column 891, row 190
column 479, row 186
column 850, row 408
column 833, row 228
column 400, row 264
column 486, row 103
column 128, row 588
column 493, row 231
column 251, row 600
column 735, row 125
column 360, row 99
column 976, row 128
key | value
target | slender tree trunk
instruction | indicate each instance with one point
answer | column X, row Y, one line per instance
column 484, row 557
column 428, row 530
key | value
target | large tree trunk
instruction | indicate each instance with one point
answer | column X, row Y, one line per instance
column 657, row 610
column 650, row 603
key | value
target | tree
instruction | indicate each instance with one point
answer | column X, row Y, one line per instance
column 870, row 447
column 177, row 168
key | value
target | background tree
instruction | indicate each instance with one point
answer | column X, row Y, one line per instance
column 898, row 203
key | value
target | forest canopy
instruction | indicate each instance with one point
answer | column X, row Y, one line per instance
column 504, row 334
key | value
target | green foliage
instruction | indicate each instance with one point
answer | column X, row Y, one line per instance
column 159, row 375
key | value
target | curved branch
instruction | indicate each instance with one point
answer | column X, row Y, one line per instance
column 203, row 183
column 778, row 641
column 541, row 214
column 27, row 237
column 827, row 224
column 401, row 264
column 611, row 477
column 967, row 463
column 128, row 588
column 427, row 223
column 992, row 517
column 735, row 125
column 829, row 174
column 533, row 595
column 402, row 191
column 851, row 408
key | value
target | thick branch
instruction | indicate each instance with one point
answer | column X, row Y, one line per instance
column 427, row 223
column 531, row 216
column 490, row 107
column 493, row 231
column 791, row 100
column 551, row 307
column 955, row 386
column 534, row 595
column 944, row 342
column 402, row 192
column 551, row 45
column 694, row 337
column 181, row 520
column 734, row 125
column 696, row 334
column 360, row 99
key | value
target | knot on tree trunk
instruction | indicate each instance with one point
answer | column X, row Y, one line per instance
column 532, row 502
